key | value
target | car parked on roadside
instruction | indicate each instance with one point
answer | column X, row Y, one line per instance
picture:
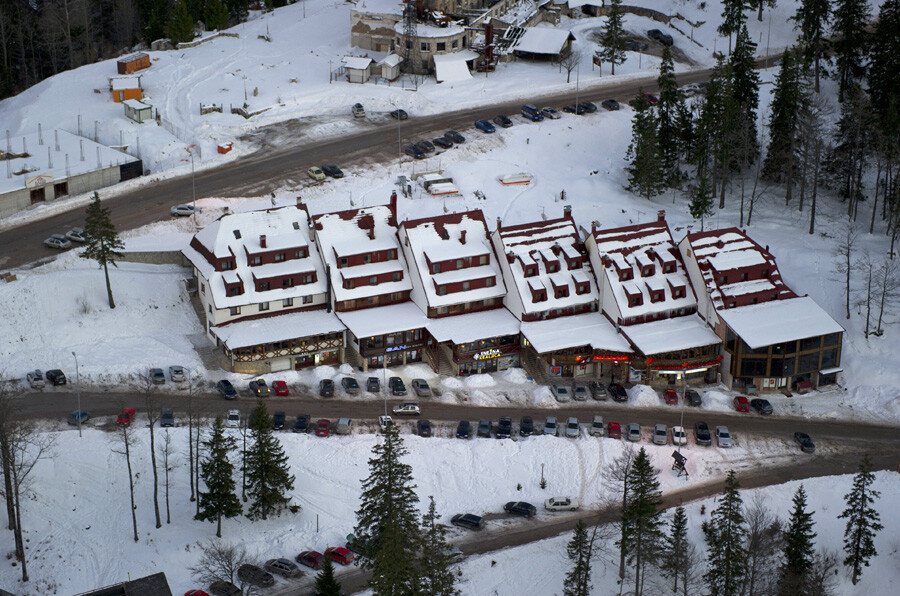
column 596, row 429
column 356, row 545
column 614, row 430
column 560, row 392
column 373, row 385
column 660, row 434
column 618, row 392
column 326, row 388
column 185, row 210
column 280, row 388
column 692, row 398
column 339, row 554
column 398, row 389
column 663, row 38
column 423, row 427
column 702, row 434
column 805, row 442
column 176, row 373
column 56, row 377
column 561, row 504
column 526, row 426
column 196, row 593
column 358, row 110
column 226, row 389
column 611, row 105
column 671, row 397
column 278, row 419
column 259, row 388
column 598, row 390
column 385, row 422
column 332, row 170
column 504, row 428
column 310, row 558
column 399, row 114
column 76, row 235
column 484, row 126
column 741, row 403
column 634, row 45
column 530, row 112
column 223, row 588
column 157, row 376
column 651, row 99
column 679, row 437
column 580, row 392
column 408, row 408
column 316, row 173
column 78, row 416
column 485, row 427
column 588, row 107
column 633, row 432
column 301, row 424
column 420, row 386
column 58, row 241
column 283, row 567
column 551, row 113
column 455, row 137
column 442, row 142
column 256, row 576
column 573, row 431
column 469, row 521
column 344, row 426
column 125, row 417
column 550, row 426
column 463, row 429
column 761, row 406
column 574, row 109
column 323, row 427
column 503, row 121
column 350, row 386
column 167, row 418
column 425, row 146
column 233, row 419
column 414, row 152
column 35, row 379
column 723, row 437
column 520, row 508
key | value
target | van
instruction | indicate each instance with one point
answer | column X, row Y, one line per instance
column 343, row 426
column 532, row 113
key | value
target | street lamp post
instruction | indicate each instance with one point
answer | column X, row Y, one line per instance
column 78, row 393
column 683, row 398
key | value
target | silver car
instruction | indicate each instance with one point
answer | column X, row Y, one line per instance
column 633, row 432
column 57, row 241
column 420, row 386
column 660, row 434
column 550, row 427
column 76, row 235
column 184, row 210
column 596, row 429
column 35, row 379
column 723, row 437
column 176, row 373
column 560, row 392
column 158, row 376
column 580, row 392
column 572, row 430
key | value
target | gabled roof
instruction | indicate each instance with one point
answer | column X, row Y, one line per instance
column 671, row 335
column 543, row 40
column 242, row 334
column 591, row 329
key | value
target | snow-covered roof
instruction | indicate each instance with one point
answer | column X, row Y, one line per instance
column 122, row 83
column 440, row 238
column 529, row 243
column 592, row 329
column 384, row 319
column 452, row 67
column 424, row 30
column 542, row 40
column 462, row 329
column 240, row 234
column 136, row 104
column 243, row 334
column 380, row 6
column 47, row 154
column 579, row 3
column 778, row 321
column 356, row 62
column 671, row 335
column 391, row 60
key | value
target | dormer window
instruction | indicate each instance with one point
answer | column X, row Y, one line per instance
column 582, row 288
column 279, row 257
column 262, row 286
column 466, row 285
column 367, row 258
column 540, row 296
column 677, row 293
column 647, row 271
column 342, row 262
column 227, row 265
column 436, row 268
column 744, row 276
column 561, row 292
column 723, row 279
column 624, row 274
column 669, row 268
column 255, row 261
column 442, row 290
column 489, row 282
column 634, row 301
column 459, row 263
column 373, row 281
column 300, row 254
column 234, row 291
column 287, row 282
column 397, row 276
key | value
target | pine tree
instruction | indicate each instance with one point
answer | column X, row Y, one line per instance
column 701, row 205
column 215, row 14
column 674, row 559
column 788, row 99
column 884, row 67
column 725, row 535
column 387, row 519
column 849, row 29
column 641, row 518
column 853, row 142
column 101, row 242
column 645, row 172
column 217, row 471
column 759, row 5
column 733, row 17
column 237, row 9
column 745, row 94
column 181, row 26
column 812, row 21
column 863, row 521
column 612, row 36
column 435, row 574
column 580, row 549
column 798, row 549
column 667, row 109
column 326, row 584
column 155, row 17
column 268, row 474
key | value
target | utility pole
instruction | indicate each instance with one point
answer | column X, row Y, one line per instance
column 78, row 393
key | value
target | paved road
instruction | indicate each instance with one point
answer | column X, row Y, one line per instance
column 374, row 140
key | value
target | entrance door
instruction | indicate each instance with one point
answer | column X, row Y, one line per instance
column 37, row 195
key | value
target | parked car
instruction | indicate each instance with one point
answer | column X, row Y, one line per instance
column 423, row 427
column 588, row 107
column 233, row 419
column 741, row 403
column 574, row 109
column 316, row 173
column 339, row 554
column 56, row 377
column 344, row 426
column 484, row 126
column 469, row 521
column 157, row 376
column 550, row 426
column 618, row 392
column 651, row 99
column 463, row 429
column 455, row 137
column 311, row 558
column 679, row 437
column 326, row 388
column 351, row 387
column 259, row 388
column 323, row 427
column 398, row 389
column 723, row 437
column 283, row 567
column 551, row 113
column 256, row 576
column 384, row 422
column 663, row 38
column 223, row 588
column 761, row 406
column 805, row 442
column 78, row 416
column 580, row 392
column 420, row 386
column 332, row 170
column 280, row 388
column 301, row 424
column 531, row 112
column 610, row 105
column 226, row 389
column 573, row 431
column 167, row 418
column 526, row 426
column 561, row 504
column 185, row 210
column 633, row 432
column 373, row 385
column 358, row 110
column 692, row 398
column 442, row 142
column 399, row 114
column 633, row 45
column 614, row 430
column 660, row 434
column 356, row 545
column 196, row 593
column 414, row 152
column 560, row 392
column 671, row 397
column 278, row 420
column 598, row 390
column 76, row 235
column 596, row 429
column 176, row 373
column 504, row 428
column 454, row 554
column 484, row 428
column 408, row 408
column 35, row 379
column 503, row 121
column 520, row 508
column 702, row 435
column 57, row 241
column 125, row 417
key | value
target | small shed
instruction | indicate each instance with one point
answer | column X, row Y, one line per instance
column 124, row 88
column 544, row 42
column 137, row 110
column 390, row 67
column 133, row 63
column 357, row 68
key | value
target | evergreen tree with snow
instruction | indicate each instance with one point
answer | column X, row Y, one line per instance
column 726, row 534
column 884, row 66
column 387, row 521
column 701, row 205
column 812, row 20
column 642, row 535
column 667, row 110
column 798, row 552
column 733, row 18
column 269, row 480
column 326, row 583
column 863, row 521
column 759, row 5
column 580, row 549
column 101, row 241
column 237, row 9
column 436, row 576
column 220, row 499
column 788, row 99
column 849, row 30
column 674, row 556
column 745, row 95
column 646, row 176
column 181, row 25
column 215, row 15
column 612, row 36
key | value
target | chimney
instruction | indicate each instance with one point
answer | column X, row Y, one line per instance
column 661, row 215
column 262, row 240
column 392, row 221
column 462, row 237
column 499, row 224
column 567, row 211
column 372, row 233
column 299, row 200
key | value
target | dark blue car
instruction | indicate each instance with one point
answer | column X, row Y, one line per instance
column 484, row 126
column 414, row 151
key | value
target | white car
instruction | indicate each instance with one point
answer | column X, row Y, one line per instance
column 36, row 379
column 76, row 235
column 185, row 210
column 678, row 436
column 561, row 393
column 723, row 437
column 561, row 504
column 57, row 241
column 176, row 373
column 596, row 429
column 550, row 427
column 572, row 430
column 660, row 434
column 407, row 409
column 384, row 422
column 551, row 113
column 233, row 419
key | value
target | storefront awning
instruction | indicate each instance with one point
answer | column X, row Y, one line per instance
column 671, row 335
column 370, row 322
column 591, row 329
column 461, row 329
column 267, row 330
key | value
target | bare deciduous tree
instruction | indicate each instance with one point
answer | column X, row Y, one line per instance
column 844, row 250
column 763, row 540
column 887, row 289
column 125, row 441
column 167, row 450
column 570, row 62
column 220, row 562
column 148, row 388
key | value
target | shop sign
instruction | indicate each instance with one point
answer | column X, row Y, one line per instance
column 555, row 371
column 492, row 353
column 395, row 348
column 634, row 376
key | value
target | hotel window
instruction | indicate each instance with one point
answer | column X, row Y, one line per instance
column 367, row 259
column 279, row 256
column 262, row 286
column 307, row 299
column 202, row 288
column 263, row 306
column 343, row 262
column 465, row 285
column 288, row 282
column 441, row 46
column 373, row 281
column 425, row 46
column 300, row 254
column 489, row 282
column 287, row 302
column 234, row 311
column 459, row 263
column 436, row 268
column 442, row 290
column 254, row 261
column 397, row 276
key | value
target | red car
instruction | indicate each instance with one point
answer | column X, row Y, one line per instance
column 125, row 417
column 614, row 430
column 339, row 554
column 741, row 404
column 195, row 593
column 311, row 558
column 651, row 99
column 671, row 397
column 280, row 388
column 323, row 427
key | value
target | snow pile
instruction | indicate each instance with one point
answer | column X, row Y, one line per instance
column 643, row 396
